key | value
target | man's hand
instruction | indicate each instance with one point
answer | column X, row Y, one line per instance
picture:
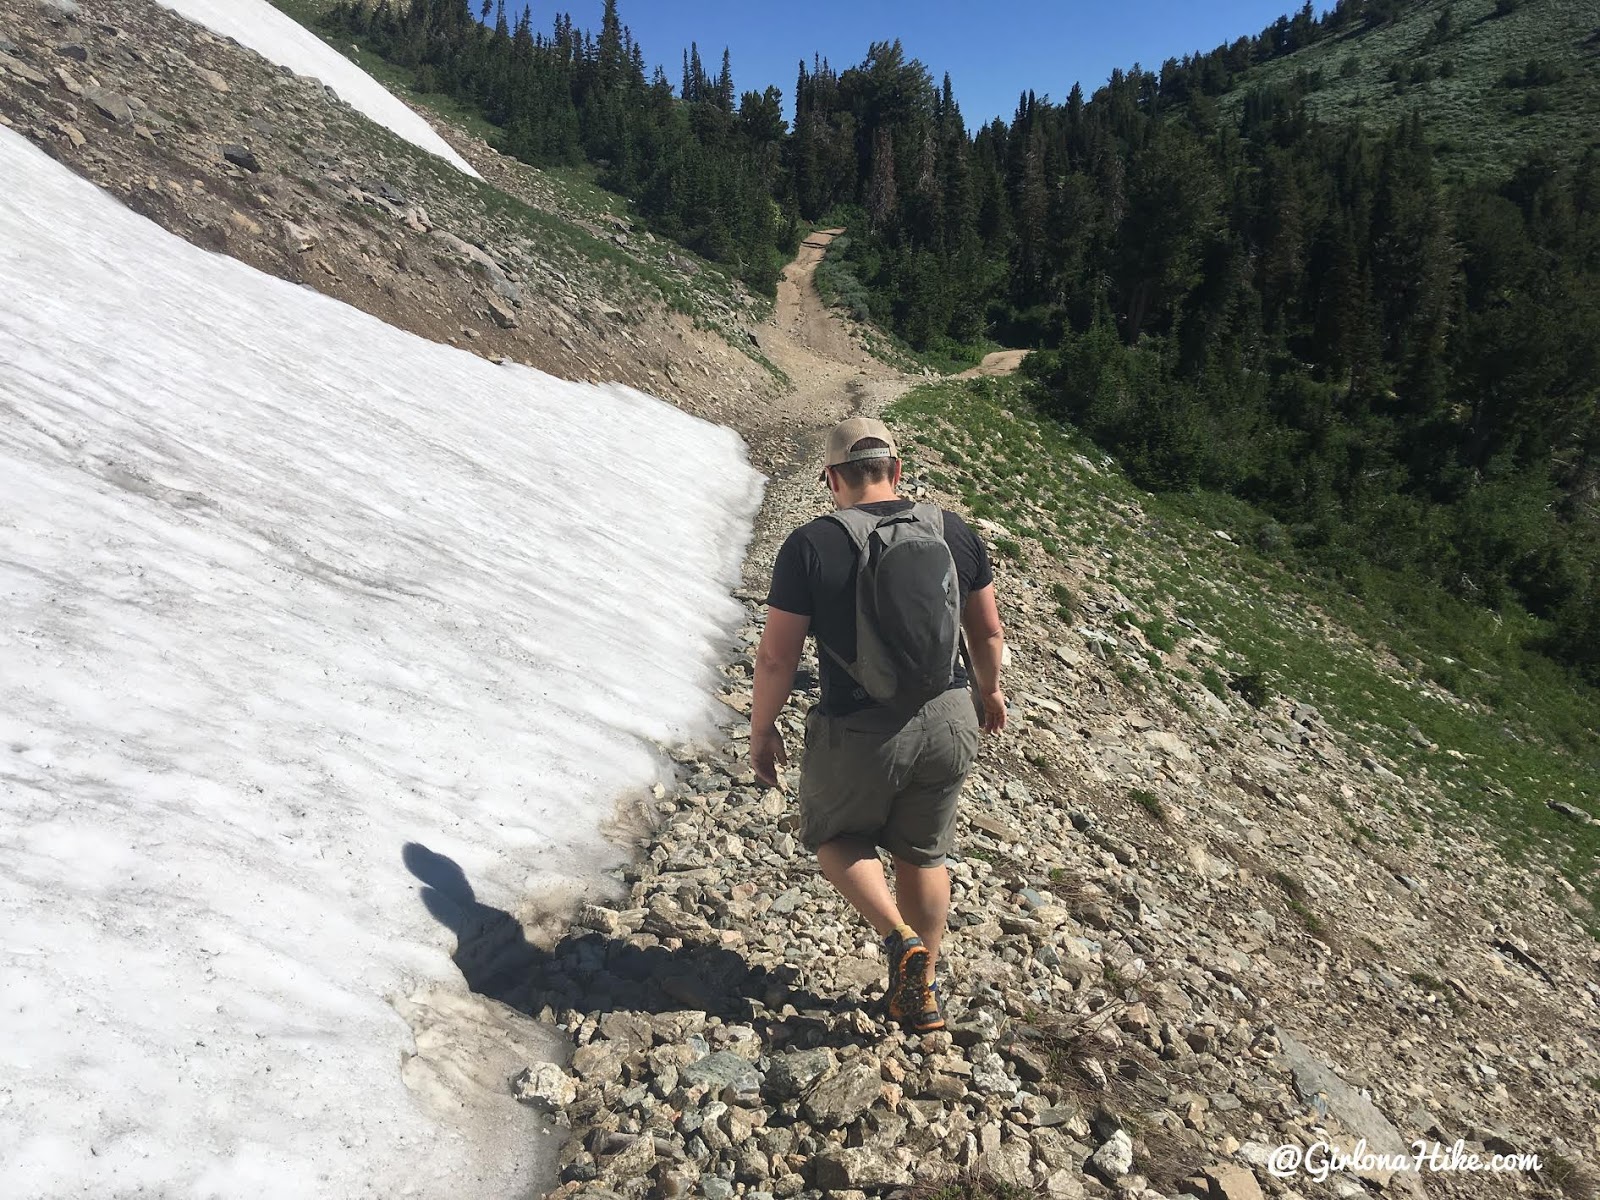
column 994, row 712
column 766, row 751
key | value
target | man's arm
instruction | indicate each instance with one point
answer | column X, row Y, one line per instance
column 776, row 659
column 986, row 643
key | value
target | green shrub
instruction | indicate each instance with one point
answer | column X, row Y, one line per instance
column 1252, row 686
column 1150, row 802
column 1537, row 101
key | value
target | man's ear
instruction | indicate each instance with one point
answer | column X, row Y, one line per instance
column 894, row 480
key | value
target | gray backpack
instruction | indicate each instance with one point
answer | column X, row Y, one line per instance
column 908, row 605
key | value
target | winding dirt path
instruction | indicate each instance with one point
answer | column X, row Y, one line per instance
column 833, row 377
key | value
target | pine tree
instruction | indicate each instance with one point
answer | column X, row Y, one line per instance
column 882, row 196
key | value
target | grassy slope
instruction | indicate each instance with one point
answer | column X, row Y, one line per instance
column 1372, row 678
column 1476, row 121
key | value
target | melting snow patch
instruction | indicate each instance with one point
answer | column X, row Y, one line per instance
column 283, row 590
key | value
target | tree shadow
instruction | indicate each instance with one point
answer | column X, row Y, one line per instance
column 591, row 972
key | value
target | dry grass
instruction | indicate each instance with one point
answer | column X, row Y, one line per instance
column 1576, row 1180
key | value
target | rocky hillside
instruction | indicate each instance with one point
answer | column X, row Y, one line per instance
column 237, row 155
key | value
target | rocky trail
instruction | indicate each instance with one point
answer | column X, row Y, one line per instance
column 832, row 377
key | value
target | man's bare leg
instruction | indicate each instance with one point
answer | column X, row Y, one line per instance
column 924, row 894
column 853, row 868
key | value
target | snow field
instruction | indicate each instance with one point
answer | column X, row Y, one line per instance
column 282, row 589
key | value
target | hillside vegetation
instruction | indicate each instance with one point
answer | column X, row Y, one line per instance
column 1491, row 79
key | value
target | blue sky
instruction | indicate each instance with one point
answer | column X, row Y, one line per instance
column 992, row 50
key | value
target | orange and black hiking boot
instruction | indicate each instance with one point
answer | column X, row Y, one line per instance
column 909, row 998
column 931, row 1017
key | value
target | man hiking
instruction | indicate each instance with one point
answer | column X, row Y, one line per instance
column 885, row 585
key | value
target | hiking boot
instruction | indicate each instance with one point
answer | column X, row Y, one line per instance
column 930, row 1019
column 908, row 976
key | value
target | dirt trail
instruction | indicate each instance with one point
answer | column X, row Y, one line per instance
column 833, row 377
column 1001, row 362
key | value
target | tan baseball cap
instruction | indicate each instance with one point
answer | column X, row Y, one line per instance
column 847, row 433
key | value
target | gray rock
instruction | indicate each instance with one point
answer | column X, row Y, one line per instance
column 750, row 1165
column 22, row 70
column 1052, row 1117
column 598, row 1062
column 1232, row 1183
column 1018, row 793
column 674, row 1185
column 1031, row 1064
column 389, row 192
column 1054, row 1149
column 841, row 1098
column 501, row 315
column 600, row 919
column 989, row 1075
column 1010, row 1163
column 1573, row 812
column 861, row 1167
column 544, row 1086
column 1114, row 1159
column 993, row 826
column 792, row 1075
column 631, row 1030
column 1314, row 1081
column 696, row 1119
column 74, row 51
column 978, row 1026
column 241, row 157
column 633, row 1162
column 113, row 106
column 727, row 1075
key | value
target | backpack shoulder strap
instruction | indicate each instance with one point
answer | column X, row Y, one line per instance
column 859, row 525
column 931, row 513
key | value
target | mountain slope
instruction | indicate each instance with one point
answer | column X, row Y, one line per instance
column 284, row 41
column 1465, row 73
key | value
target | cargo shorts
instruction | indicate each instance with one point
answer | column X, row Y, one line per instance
column 877, row 777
